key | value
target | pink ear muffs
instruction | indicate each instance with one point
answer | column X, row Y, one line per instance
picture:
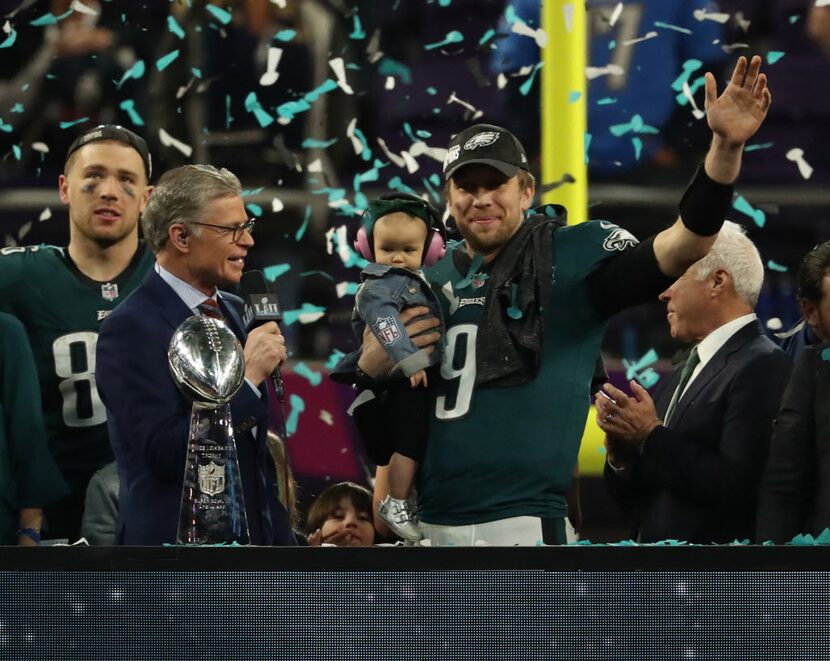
column 435, row 245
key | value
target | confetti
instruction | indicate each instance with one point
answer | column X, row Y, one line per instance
column 301, row 231
column 128, row 106
column 538, row 35
column 797, row 156
column 775, row 266
column 306, row 314
column 174, row 27
column 453, row 37
column 346, row 288
column 314, row 378
column 169, row 141
column 66, row 125
column 773, row 56
column 703, row 15
column 134, row 72
column 648, row 35
column 285, row 35
column 297, row 407
column 81, row 8
column 221, row 15
column 742, row 205
column 8, row 42
column 326, row 417
column 340, row 72
column 669, row 26
column 253, row 105
column 273, row 272
column 609, row 70
column 271, row 76
column 46, row 214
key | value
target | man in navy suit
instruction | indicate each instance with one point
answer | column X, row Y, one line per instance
column 196, row 225
column 691, row 463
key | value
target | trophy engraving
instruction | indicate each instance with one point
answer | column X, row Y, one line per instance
column 207, row 363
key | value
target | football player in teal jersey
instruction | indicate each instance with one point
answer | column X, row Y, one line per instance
column 525, row 308
column 61, row 295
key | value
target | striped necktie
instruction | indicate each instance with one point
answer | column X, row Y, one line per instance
column 210, row 308
column 691, row 362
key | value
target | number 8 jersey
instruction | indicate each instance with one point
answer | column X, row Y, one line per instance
column 62, row 310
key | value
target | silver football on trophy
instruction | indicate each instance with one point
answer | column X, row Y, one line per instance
column 207, row 361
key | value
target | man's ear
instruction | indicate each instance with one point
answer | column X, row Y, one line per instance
column 63, row 189
column 527, row 196
column 179, row 237
column 145, row 197
column 810, row 311
column 721, row 281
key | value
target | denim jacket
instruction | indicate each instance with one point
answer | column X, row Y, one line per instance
column 386, row 290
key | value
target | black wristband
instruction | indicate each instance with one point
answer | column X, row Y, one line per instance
column 704, row 205
column 363, row 380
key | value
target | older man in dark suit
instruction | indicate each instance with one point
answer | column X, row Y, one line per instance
column 197, row 227
column 691, row 463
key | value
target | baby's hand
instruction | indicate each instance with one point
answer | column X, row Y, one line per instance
column 418, row 379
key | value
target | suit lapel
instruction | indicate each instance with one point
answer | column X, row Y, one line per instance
column 713, row 368
column 172, row 308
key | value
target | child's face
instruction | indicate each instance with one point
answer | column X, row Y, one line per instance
column 399, row 240
column 347, row 526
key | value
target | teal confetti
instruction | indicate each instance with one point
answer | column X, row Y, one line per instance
column 197, row 73
column 390, row 67
column 638, row 147
column 396, row 183
column 689, row 67
column 135, row 72
column 526, row 86
column 66, row 125
column 8, row 42
column 300, row 232
column 49, row 19
column 128, row 106
column 601, row 449
column 773, row 56
column 825, row 354
column 252, row 105
column 16, row 151
column 669, row 26
column 432, row 91
column 574, row 96
column 165, row 60
column 632, row 368
column 588, row 138
column 17, row 108
column 372, row 174
column 5, row 128
column 510, row 15
column 681, row 97
column 775, row 266
column 333, row 359
column 444, row 3
column 221, row 15
column 514, row 312
column 486, row 37
column 174, row 27
column 612, row 44
column 255, row 209
column 742, row 205
column 275, row 271
column 357, row 29
column 290, row 109
column 311, row 143
column 314, row 378
column 228, row 116
column 292, row 316
column 248, row 192
column 366, row 153
column 285, row 35
column 351, row 288
column 297, row 407
column 453, row 37
column 636, row 125
column 322, row 274
column 408, row 130
column 763, row 145
column 606, row 101
column 424, row 135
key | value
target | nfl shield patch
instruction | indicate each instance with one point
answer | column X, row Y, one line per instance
column 109, row 291
column 387, row 330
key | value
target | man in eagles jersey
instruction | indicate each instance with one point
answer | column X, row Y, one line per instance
column 62, row 294
column 525, row 309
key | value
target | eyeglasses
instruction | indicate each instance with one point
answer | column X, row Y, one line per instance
column 247, row 226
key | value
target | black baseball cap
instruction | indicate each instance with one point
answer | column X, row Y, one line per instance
column 488, row 144
column 119, row 134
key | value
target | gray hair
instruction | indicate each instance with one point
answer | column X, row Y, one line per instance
column 734, row 251
column 181, row 196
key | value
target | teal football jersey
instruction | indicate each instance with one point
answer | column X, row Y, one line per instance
column 62, row 311
column 495, row 453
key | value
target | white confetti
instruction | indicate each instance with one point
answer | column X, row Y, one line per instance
column 326, row 417
column 397, row 160
column 24, row 230
column 568, row 11
column 277, row 205
column 81, row 8
column 315, row 166
column 648, row 35
column 610, row 70
column 342, row 289
column 340, row 71
column 697, row 113
column 703, row 15
column 356, row 143
column 41, row 147
column 309, row 317
column 454, row 99
column 282, row 4
column 775, row 324
column 390, row 83
column 421, row 148
column 538, row 35
column 501, row 81
column 271, row 76
column 797, row 156
column 46, row 214
column 7, row 27
column 615, row 15
column 169, row 141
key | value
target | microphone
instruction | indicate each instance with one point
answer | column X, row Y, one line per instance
column 261, row 306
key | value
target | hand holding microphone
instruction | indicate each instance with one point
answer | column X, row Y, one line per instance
column 265, row 347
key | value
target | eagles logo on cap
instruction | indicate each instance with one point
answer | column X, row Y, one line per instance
column 486, row 144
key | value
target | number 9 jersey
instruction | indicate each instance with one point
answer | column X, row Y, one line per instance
column 62, row 310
